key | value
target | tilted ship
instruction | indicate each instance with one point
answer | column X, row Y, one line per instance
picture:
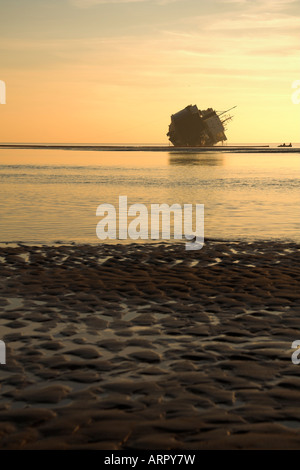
column 192, row 127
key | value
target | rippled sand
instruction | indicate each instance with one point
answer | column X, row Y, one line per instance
column 150, row 347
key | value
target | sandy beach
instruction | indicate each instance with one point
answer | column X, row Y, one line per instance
column 150, row 346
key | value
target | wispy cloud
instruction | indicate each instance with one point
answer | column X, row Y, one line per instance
column 262, row 21
column 90, row 3
column 263, row 4
column 245, row 46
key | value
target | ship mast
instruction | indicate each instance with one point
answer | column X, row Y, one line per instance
column 223, row 112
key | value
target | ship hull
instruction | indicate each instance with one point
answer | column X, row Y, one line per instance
column 192, row 127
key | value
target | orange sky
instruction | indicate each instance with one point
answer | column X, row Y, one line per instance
column 114, row 71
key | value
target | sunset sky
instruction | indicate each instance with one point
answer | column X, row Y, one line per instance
column 113, row 71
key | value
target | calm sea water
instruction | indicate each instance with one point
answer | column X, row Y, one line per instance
column 52, row 195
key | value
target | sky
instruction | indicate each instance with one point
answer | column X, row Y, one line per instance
column 113, row 71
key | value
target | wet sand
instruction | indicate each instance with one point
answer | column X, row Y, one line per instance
column 150, row 346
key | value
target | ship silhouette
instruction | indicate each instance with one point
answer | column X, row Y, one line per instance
column 192, row 127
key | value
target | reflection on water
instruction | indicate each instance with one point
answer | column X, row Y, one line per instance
column 246, row 196
column 211, row 159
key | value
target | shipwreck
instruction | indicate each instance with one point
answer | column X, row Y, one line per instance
column 192, row 127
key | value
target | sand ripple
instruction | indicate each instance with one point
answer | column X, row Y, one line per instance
column 149, row 347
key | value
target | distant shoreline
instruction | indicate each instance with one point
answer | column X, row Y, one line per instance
column 153, row 148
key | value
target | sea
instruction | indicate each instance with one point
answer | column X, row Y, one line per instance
column 50, row 196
